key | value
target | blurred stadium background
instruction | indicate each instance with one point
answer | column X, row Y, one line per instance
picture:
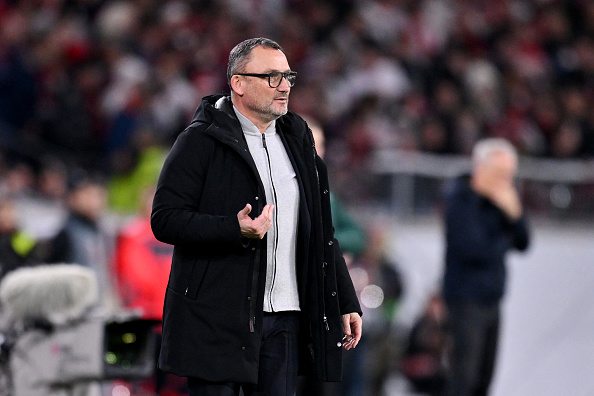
column 403, row 88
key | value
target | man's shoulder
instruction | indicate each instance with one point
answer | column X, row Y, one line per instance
column 195, row 132
column 196, row 128
column 459, row 189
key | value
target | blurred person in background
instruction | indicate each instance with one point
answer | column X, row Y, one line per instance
column 142, row 265
column 379, row 285
column 17, row 247
column 82, row 238
column 253, row 298
column 352, row 239
column 424, row 361
column 484, row 219
column 366, row 368
column 135, row 168
column 346, row 229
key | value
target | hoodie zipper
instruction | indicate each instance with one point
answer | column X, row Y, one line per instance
column 275, row 246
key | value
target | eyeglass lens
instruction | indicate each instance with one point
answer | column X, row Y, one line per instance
column 275, row 79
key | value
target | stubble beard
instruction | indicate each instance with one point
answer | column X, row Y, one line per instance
column 269, row 112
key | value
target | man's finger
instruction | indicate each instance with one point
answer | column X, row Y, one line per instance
column 357, row 327
column 268, row 210
column 346, row 324
column 352, row 328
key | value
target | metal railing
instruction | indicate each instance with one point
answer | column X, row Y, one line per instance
column 550, row 187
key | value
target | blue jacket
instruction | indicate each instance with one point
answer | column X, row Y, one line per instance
column 478, row 235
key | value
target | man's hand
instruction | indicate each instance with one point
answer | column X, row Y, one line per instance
column 508, row 201
column 256, row 228
column 353, row 326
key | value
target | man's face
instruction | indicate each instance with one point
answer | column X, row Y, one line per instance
column 497, row 172
column 89, row 200
column 8, row 217
column 254, row 95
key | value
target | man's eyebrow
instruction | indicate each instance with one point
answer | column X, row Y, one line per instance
column 278, row 71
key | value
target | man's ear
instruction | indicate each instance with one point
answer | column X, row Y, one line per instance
column 237, row 85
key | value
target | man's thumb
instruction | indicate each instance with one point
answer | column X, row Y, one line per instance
column 245, row 211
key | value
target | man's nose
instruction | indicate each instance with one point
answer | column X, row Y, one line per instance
column 284, row 85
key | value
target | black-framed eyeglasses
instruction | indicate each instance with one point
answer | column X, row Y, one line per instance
column 274, row 78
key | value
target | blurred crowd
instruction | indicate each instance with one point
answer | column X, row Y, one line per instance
column 102, row 88
column 105, row 84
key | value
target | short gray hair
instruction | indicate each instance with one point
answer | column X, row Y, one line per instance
column 484, row 149
column 240, row 54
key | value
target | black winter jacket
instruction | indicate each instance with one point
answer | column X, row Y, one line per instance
column 212, row 317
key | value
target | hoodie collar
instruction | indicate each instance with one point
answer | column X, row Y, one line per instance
column 249, row 128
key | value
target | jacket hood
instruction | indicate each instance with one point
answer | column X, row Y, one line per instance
column 215, row 107
column 218, row 110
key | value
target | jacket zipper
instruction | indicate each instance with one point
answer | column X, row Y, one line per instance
column 324, row 264
column 253, row 296
column 189, row 279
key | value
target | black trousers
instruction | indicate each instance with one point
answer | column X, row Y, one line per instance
column 277, row 374
column 475, row 331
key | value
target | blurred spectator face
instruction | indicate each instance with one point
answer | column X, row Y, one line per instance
column 567, row 141
column 319, row 138
column 433, row 135
column 575, row 103
column 88, row 200
column 447, row 97
column 52, row 183
column 20, row 179
column 495, row 173
column 8, row 217
column 254, row 96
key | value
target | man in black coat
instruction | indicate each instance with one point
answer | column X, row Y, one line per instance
column 484, row 220
column 258, row 286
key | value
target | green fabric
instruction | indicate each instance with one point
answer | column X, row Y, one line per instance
column 22, row 243
column 349, row 234
column 125, row 190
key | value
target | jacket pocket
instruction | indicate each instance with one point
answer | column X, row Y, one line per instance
column 190, row 285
